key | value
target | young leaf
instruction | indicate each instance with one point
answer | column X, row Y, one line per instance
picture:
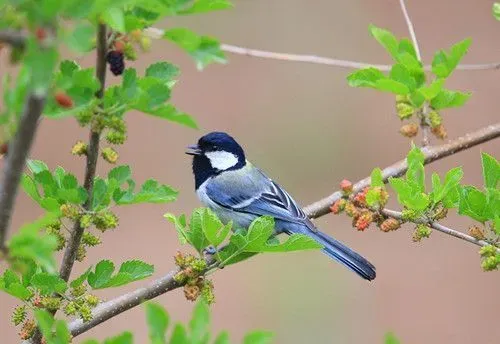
column 215, row 231
column 473, row 203
column 402, row 75
column 11, row 284
column 102, row 274
column 163, row 71
column 157, row 319
column 366, row 77
column 180, row 226
column 376, row 177
column 451, row 182
column 196, row 236
column 124, row 338
column 80, row 279
column 151, row 192
column 431, row 91
column 491, row 170
column 258, row 337
column 54, row 331
column 448, row 99
column 48, row 284
column 170, row 113
column 386, row 39
column 415, row 173
column 444, row 63
column 120, row 173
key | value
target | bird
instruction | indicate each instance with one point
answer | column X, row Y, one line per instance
column 237, row 191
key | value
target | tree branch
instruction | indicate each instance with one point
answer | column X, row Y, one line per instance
column 156, row 33
column 411, row 29
column 92, row 155
column 431, row 153
column 18, row 151
column 167, row 283
column 437, row 226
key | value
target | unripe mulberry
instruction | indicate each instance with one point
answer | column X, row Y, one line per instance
column 28, row 329
column 116, row 62
column 80, row 148
column 404, row 110
column 191, row 292
column 422, row 231
column 346, row 186
column 363, row 221
column 476, row 232
column 105, row 220
column 409, row 130
column 19, row 315
column 338, row 206
column 110, row 155
column 439, row 132
column 435, row 118
column 390, row 224
column 351, row 210
column 490, row 263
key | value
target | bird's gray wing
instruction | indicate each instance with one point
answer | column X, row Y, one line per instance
column 250, row 191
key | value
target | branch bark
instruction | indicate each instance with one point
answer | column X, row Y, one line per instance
column 13, row 38
column 92, row 155
column 18, row 151
column 167, row 283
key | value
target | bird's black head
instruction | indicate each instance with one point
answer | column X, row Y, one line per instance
column 215, row 152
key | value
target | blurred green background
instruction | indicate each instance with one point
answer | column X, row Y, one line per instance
column 306, row 128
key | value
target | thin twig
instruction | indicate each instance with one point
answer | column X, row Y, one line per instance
column 92, row 155
column 18, row 151
column 439, row 227
column 156, row 33
column 167, row 283
column 431, row 153
column 411, row 29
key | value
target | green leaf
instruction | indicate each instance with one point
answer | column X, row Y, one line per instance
column 443, row 64
column 452, row 181
column 48, row 284
column 431, row 91
column 473, row 203
column 157, row 319
column 36, row 166
column 258, row 337
column 54, row 331
column 179, row 335
column 415, row 173
column 80, row 279
column 130, row 271
column 196, row 237
column 376, row 177
column 222, row 338
column 151, row 192
column 448, row 99
column 201, row 6
column 491, row 170
column 115, row 18
column 215, row 231
column 199, row 322
column 169, row 112
column 28, row 243
column 366, row 77
column 409, row 194
column 386, row 39
column 496, row 10
column 120, row 173
column 124, row 338
column 102, row 274
column 41, row 63
column 180, row 226
column 401, row 74
column 82, row 38
column 163, row 71
column 11, row 284
column 390, row 338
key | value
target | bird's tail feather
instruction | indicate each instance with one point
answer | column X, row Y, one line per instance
column 343, row 254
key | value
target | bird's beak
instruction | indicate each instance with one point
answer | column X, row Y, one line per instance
column 193, row 150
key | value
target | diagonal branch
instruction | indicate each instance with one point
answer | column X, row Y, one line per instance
column 92, row 155
column 18, row 151
column 439, row 227
column 431, row 153
column 167, row 283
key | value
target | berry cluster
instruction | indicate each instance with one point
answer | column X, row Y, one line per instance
column 191, row 276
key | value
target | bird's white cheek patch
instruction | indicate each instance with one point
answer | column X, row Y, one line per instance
column 221, row 160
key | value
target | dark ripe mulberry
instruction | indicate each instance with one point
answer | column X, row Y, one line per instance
column 116, row 62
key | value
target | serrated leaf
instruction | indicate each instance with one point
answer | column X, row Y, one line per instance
column 151, row 192
column 473, row 203
column 491, row 170
column 80, row 279
column 11, row 284
column 48, row 284
column 215, row 231
column 157, row 319
column 258, row 337
column 179, row 226
column 448, row 99
column 196, row 236
column 163, row 71
column 136, row 269
column 120, row 173
column 101, row 275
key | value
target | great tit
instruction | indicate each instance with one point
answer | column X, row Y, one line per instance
column 237, row 191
